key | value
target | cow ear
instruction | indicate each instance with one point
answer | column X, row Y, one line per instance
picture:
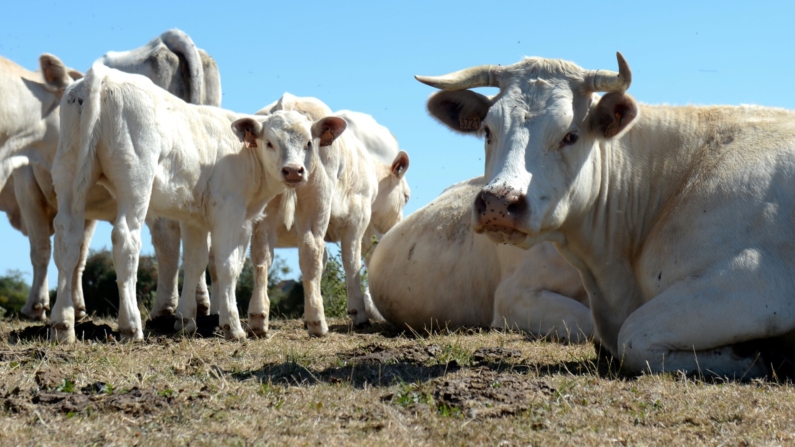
column 247, row 131
column 55, row 73
column 400, row 165
column 328, row 129
column 462, row 110
column 74, row 74
column 615, row 112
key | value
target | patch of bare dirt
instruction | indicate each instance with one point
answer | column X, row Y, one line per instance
column 85, row 330
column 482, row 392
column 378, row 354
column 95, row 397
column 487, row 355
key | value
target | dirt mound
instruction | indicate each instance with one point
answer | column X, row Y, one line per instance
column 94, row 397
column 482, row 392
column 86, row 330
column 378, row 354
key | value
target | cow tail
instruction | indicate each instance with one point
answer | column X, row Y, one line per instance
column 287, row 207
column 89, row 118
column 179, row 42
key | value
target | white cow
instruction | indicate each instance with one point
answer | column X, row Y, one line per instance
column 679, row 219
column 349, row 196
column 432, row 271
column 162, row 157
column 165, row 59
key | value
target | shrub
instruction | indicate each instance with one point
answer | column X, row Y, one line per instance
column 14, row 292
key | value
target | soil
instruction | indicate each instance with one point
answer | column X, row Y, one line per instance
column 86, row 330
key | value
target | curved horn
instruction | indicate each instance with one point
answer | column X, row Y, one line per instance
column 480, row 76
column 610, row 81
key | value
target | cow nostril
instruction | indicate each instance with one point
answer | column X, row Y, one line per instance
column 518, row 206
column 285, row 172
column 480, row 203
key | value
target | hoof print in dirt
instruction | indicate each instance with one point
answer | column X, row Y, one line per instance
column 163, row 324
column 481, row 392
column 206, row 326
column 496, row 355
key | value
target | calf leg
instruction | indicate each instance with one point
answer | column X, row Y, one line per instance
column 310, row 259
column 165, row 239
column 351, row 248
column 229, row 245
column 68, row 237
column 263, row 239
column 369, row 241
column 77, row 281
column 36, row 217
column 195, row 255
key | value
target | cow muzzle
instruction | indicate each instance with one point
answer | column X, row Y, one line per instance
column 497, row 213
column 293, row 174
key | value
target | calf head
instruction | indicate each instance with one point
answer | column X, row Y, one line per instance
column 56, row 75
column 393, row 194
column 542, row 136
column 287, row 141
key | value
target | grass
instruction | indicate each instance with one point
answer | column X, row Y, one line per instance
column 375, row 386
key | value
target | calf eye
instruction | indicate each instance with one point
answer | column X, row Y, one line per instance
column 488, row 135
column 569, row 139
column 270, row 145
column 309, row 145
column 406, row 196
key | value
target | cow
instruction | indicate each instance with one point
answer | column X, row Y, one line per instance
column 30, row 201
column 679, row 219
column 210, row 169
column 350, row 196
column 433, row 271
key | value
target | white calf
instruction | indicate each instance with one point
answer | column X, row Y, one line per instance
column 163, row 157
column 431, row 271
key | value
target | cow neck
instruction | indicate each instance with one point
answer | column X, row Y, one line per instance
column 266, row 185
column 638, row 178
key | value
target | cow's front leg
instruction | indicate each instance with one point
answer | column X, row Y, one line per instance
column 194, row 261
column 693, row 325
column 263, row 239
column 310, row 258
column 230, row 241
column 542, row 313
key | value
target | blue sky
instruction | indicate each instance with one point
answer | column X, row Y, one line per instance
column 362, row 56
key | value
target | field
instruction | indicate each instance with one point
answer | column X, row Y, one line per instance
column 376, row 386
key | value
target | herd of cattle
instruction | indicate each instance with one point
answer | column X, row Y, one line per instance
column 665, row 234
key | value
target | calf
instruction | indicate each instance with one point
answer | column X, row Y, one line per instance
column 432, row 271
column 347, row 193
column 163, row 157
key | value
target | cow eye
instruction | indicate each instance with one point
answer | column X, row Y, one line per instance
column 569, row 139
column 309, row 145
column 270, row 145
column 488, row 134
column 406, row 196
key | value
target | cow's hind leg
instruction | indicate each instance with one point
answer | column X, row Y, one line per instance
column 694, row 325
column 77, row 280
column 195, row 254
column 351, row 250
column 165, row 239
column 69, row 225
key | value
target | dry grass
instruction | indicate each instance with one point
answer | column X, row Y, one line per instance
column 375, row 387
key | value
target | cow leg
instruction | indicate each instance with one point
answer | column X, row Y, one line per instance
column 229, row 245
column 68, row 238
column 368, row 246
column 165, row 239
column 310, row 258
column 351, row 250
column 77, row 281
column 215, row 296
column 194, row 261
column 542, row 313
column 263, row 239
column 693, row 325
column 34, row 210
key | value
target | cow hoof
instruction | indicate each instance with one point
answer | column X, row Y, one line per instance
column 80, row 315
column 202, row 310
column 62, row 333
column 187, row 325
column 131, row 334
column 316, row 328
column 234, row 333
column 258, row 324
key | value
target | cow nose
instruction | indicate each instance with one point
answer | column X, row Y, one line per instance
column 293, row 174
column 499, row 209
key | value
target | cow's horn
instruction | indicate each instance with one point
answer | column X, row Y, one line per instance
column 480, row 76
column 610, row 81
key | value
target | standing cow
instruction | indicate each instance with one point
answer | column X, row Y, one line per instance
column 680, row 219
column 162, row 157
column 432, row 271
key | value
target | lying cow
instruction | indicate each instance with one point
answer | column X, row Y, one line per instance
column 432, row 271
column 162, row 157
column 166, row 60
column 346, row 193
column 679, row 219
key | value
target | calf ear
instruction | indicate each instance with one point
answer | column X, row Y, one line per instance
column 247, row 130
column 74, row 74
column 55, row 73
column 328, row 129
column 400, row 165
column 461, row 110
column 615, row 112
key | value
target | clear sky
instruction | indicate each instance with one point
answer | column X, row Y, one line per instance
column 362, row 56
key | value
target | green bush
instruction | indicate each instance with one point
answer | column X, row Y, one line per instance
column 14, row 292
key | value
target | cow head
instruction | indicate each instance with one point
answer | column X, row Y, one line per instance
column 56, row 75
column 542, row 134
column 393, row 195
column 287, row 140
